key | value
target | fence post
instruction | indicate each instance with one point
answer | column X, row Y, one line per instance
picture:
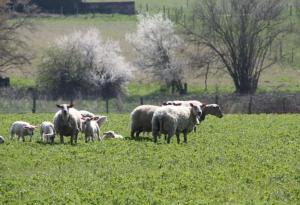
column 217, row 95
column 34, row 96
column 284, row 105
column 142, row 101
column 106, row 105
column 250, row 105
column 147, row 8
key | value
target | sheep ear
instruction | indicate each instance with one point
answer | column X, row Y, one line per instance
column 59, row 106
column 203, row 105
column 101, row 120
column 165, row 103
column 192, row 105
column 96, row 118
column 176, row 104
column 70, row 106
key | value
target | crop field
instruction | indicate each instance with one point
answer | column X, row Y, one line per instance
column 239, row 159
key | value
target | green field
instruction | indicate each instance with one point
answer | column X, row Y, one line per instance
column 239, row 159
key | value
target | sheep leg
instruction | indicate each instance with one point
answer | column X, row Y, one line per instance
column 30, row 138
column 61, row 139
column 132, row 134
column 23, row 138
column 185, row 136
column 75, row 138
column 178, row 137
column 86, row 138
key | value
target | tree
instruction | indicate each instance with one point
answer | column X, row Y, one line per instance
column 240, row 33
column 12, row 44
column 82, row 63
column 159, row 49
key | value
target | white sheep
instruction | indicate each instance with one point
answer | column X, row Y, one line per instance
column 47, row 132
column 67, row 122
column 112, row 135
column 141, row 118
column 21, row 129
column 86, row 113
column 2, row 140
column 172, row 120
column 92, row 129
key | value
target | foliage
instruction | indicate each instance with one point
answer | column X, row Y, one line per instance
column 158, row 48
column 240, row 159
column 12, row 44
column 82, row 62
column 240, row 33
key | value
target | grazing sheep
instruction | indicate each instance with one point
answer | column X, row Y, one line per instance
column 67, row 122
column 85, row 113
column 2, row 140
column 183, row 102
column 172, row 120
column 112, row 134
column 47, row 132
column 21, row 129
column 141, row 118
column 92, row 129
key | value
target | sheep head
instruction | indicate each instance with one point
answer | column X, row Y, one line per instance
column 65, row 110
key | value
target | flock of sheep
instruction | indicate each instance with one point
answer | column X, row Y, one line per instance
column 172, row 118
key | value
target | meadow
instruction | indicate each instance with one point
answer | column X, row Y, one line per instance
column 239, row 159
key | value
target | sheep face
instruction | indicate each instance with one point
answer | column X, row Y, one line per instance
column 197, row 111
column 65, row 110
column 215, row 110
column 29, row 130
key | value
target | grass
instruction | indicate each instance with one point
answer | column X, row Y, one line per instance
column 240, row 159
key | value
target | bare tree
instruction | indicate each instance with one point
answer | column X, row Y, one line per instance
column 12, row 43
column 159, row 49
column 82, row 62
column 240, row 33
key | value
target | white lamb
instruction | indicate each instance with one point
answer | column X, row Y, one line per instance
column 112, row 135
column 92, row 129
column 172, row 120
column 22, row 129
column 47, row 132
column 141, row 118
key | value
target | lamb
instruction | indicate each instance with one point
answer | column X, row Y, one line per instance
column 2, row 140
column 67, row 122
column 92, row 129
column 141, row 118
column 172, row 120
column 22, row 129
column 112, row 134
column 47, row 132
column 101, row 120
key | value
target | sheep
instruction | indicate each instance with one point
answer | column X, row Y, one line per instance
column 92, row 129
column 47, row 132
column 207, row 109
column 85, row 113
column 112, row 134
column 22, row 129
column 67, row 122
column 141, row 118
column 172, row 120
column 2, row 140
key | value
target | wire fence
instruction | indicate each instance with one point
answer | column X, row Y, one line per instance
column 27, row 102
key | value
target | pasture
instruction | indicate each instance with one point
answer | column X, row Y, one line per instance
column 239, row 159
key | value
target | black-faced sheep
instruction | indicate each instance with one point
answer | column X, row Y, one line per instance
column 67, row 122
column 47, row 132
column 172, row 120
column 21, row 129
column 141, row 118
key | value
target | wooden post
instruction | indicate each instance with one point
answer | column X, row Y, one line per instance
column 34, row 96
column 142, row 101
column 284, row 105
column 206, row 76
column 250, row 105
column 292, row 58
column 147, row 8
column 217, row 95
column 106, row 104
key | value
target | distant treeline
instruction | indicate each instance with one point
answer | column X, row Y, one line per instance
column 76, row 6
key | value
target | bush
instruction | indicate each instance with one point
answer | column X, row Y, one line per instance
column 82, row 63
